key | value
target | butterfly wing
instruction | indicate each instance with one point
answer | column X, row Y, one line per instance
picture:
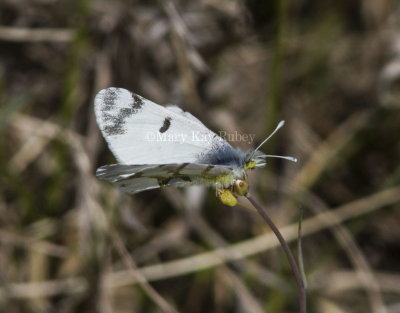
column 136, row 178
column 139, row 131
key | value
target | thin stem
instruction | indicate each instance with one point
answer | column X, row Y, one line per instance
column 300, row 250
column 291, row 259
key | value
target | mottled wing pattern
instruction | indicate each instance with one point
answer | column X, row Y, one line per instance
column 139, row 131
column 136, row 178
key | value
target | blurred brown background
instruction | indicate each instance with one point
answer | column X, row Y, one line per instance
column 331, row 69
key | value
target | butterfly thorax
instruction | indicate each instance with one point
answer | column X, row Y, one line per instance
column 224, row 155
column 235, row 158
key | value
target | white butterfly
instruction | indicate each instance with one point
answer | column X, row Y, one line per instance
column 164, row 146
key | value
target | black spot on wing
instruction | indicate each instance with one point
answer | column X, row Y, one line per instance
column 115, row 118
column 166, row 125
column 137, row 102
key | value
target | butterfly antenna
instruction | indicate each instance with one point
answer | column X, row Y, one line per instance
column 289, row 158
column 280, row 124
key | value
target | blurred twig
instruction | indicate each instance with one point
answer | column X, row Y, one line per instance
column 237, row 251
column 328, row 306
column 247, row 300
column 326, row 152
column 336, row 281
column 355, row 254
column 339, row 281
column 139, row 277
column 182, row 48
column 40, row 132
column 46, row 289
column 6, row 237
column 266, row 241
column 21, row 34
column 179, row 26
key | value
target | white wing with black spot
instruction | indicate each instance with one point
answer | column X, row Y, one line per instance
column 183, row 113
column 139, row 131
column 136, row 178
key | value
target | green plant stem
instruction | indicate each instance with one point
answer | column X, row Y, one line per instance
column 291, row 259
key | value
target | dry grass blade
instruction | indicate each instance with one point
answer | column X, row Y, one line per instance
column 263, row 242
column 328, row 306
column 20, row 34
column 139, row 277
column 45, row 247
column 40, row 134
column 342, row 281
column 326, row 152
column 44, row 289
column 356, row 256
column 236, row 251
column 181, row 30
column 248, row 302
column 181, row 49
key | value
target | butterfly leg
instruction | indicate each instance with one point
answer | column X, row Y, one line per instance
column 226, row 197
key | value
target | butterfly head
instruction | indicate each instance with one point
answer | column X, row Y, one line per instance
column 257, row 158
column 254, row 159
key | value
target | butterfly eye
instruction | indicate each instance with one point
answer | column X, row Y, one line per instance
column 241, row 187
column 250, row 164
